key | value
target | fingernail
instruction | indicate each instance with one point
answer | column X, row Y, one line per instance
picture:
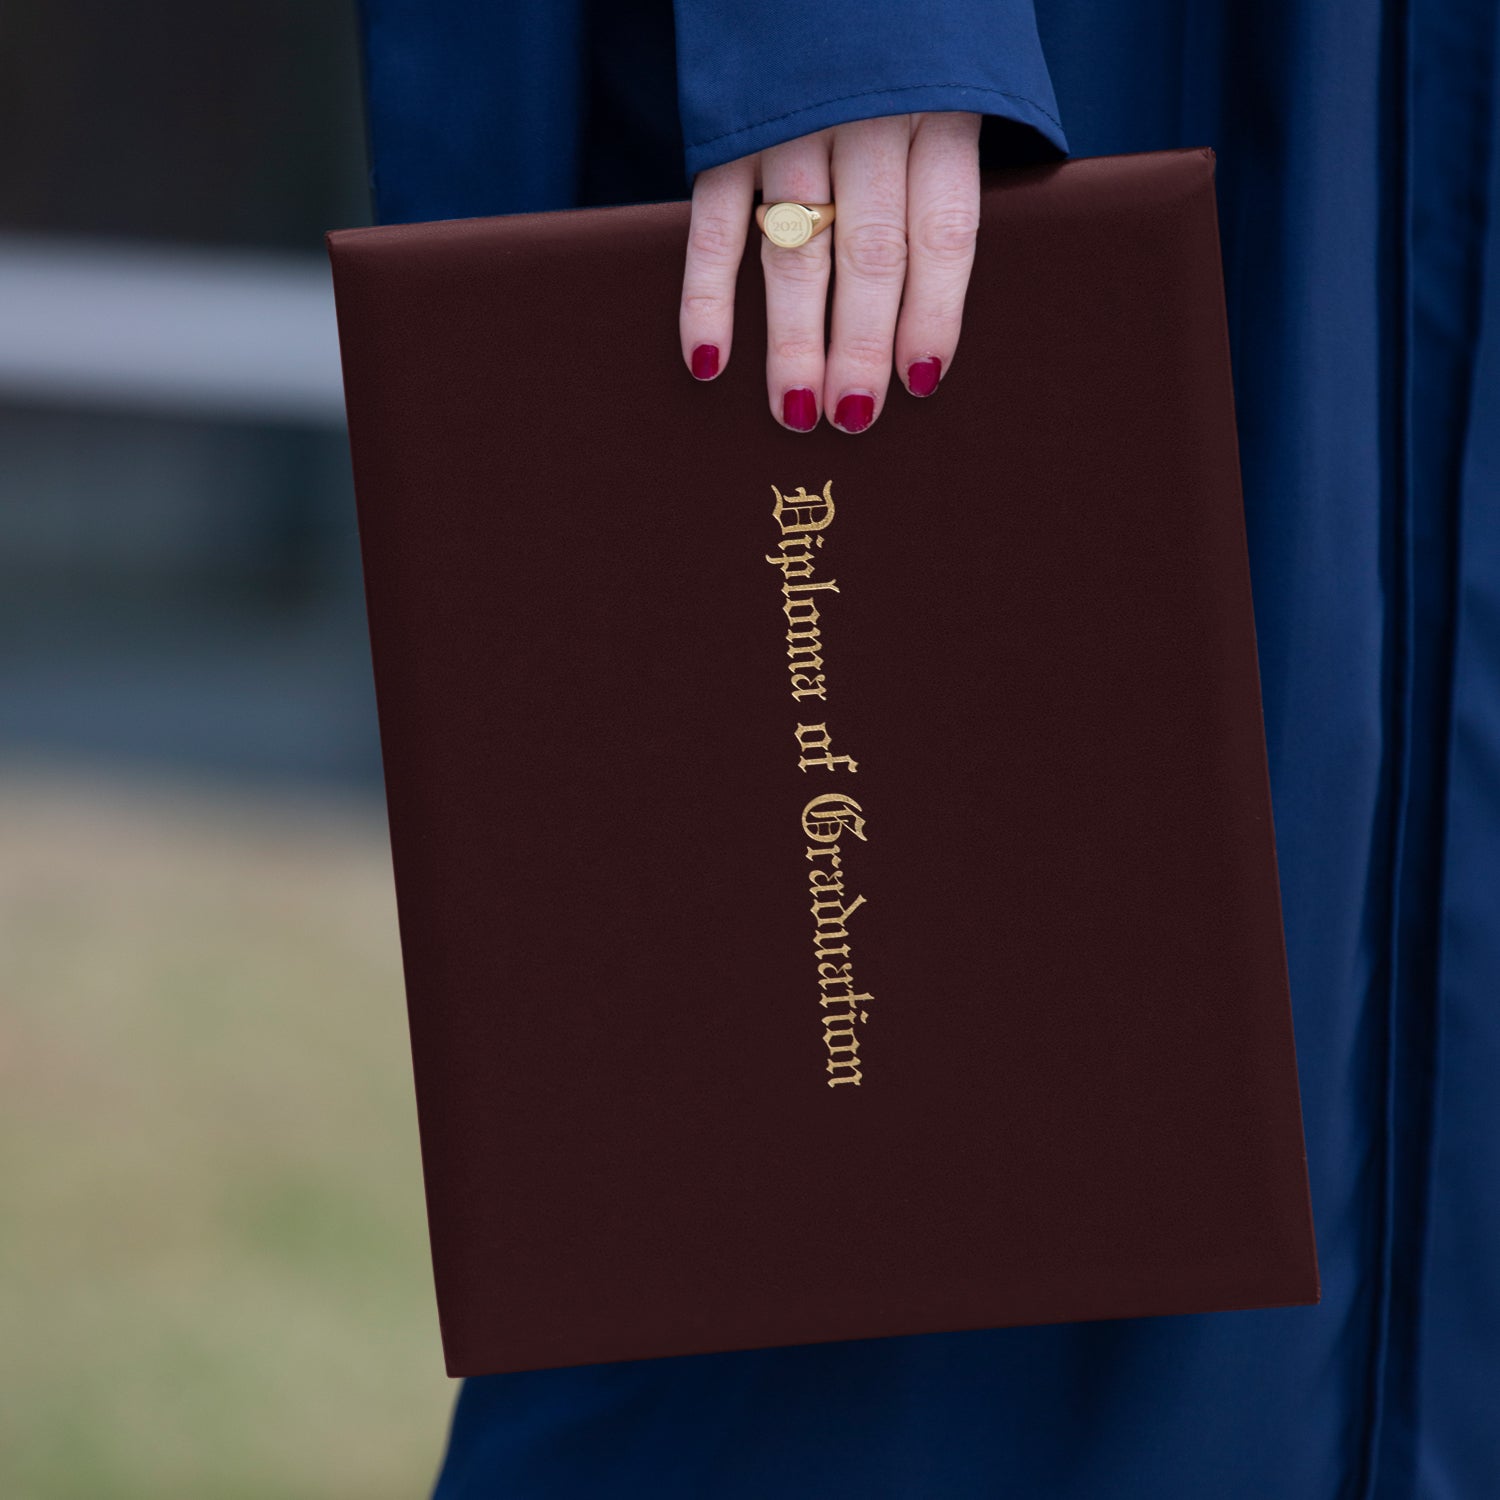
column 706, row 361
column 855, row 411
column 799, row 409
column 922, row 375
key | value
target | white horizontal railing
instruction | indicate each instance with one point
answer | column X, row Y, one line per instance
column 193, row 332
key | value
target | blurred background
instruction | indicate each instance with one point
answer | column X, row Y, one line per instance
column 213, row 1262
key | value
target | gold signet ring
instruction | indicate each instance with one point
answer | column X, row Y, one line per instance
column 793, row 224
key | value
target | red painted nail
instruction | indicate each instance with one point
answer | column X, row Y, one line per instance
column 706, row 361
column 799, row 409
column 922, row 375
column 855, row 411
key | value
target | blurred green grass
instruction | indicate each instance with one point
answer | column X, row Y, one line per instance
column 214, row 1276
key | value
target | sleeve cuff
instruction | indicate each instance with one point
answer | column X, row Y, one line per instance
column 760, row 72
column 905, row 99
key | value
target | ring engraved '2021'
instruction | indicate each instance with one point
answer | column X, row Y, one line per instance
column 788, row 225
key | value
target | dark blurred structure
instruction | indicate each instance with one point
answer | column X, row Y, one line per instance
column 216, row 1277
column 179, row 577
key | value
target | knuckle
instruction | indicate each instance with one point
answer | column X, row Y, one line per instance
column 704, row 306
column 796, row 348
column 948, row 233
column 876, row 252
column 937, row 309
column 869, row 351
column 801, row 266
column 715, row 240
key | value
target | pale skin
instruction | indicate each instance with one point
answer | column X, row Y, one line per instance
column 900, row 249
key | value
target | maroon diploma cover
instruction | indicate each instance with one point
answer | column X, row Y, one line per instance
column 835, row 873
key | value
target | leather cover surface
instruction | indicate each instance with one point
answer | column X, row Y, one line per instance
column 1029, row 703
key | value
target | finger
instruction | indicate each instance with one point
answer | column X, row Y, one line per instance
column 942, row 222
column 796, row 283
column 869, row 256
column 717, row 229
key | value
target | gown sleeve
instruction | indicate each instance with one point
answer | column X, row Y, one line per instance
column 754, row 73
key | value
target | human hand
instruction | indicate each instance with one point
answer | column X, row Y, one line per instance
column 907, row 195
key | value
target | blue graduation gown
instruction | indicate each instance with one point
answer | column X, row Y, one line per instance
column 1359, row 172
